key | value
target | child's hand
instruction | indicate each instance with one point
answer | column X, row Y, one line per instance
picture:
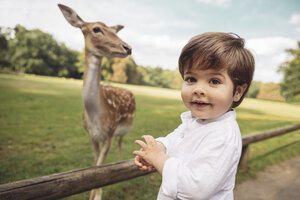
column 142, row 164
column 152, row 152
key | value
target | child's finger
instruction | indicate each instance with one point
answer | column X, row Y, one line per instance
column 137, row 162
column 151, row 168
column 149, row 139
column 138, row 153
column 141, row 143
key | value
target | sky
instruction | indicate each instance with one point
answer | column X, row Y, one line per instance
column 157, row 30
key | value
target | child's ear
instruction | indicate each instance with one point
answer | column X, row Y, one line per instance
column 240, row 89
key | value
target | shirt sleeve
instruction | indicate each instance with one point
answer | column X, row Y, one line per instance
column 170, row 137
column 203, row 176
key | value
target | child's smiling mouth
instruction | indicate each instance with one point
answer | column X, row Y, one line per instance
column 200, row 104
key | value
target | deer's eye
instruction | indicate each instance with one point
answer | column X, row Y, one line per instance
column 97, row 30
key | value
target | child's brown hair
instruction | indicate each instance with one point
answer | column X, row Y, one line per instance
column 217, row 50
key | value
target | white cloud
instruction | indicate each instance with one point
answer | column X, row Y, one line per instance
column 270, row 45
column 145, row 30
column 269, row 53
column 153, row 31
column 295, row 19
column 266, row 76
column 153, row 50
column 222, row 3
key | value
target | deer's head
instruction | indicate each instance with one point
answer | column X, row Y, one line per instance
column 100, row 40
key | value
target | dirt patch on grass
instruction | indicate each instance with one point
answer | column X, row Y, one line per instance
column 281, row 181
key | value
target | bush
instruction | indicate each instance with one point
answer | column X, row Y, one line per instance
column 253, row 90
column 270, row 91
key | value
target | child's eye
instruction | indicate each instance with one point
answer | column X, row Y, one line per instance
column 214, row 82
column 190, row 79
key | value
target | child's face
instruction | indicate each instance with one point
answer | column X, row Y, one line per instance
column 208, row 93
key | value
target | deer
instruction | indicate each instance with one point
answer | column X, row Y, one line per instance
column 108, row 111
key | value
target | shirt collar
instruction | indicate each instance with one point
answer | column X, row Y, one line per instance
column 187, row 117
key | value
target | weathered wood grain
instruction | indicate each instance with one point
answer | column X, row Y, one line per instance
column 68, row 183
column 248, row 139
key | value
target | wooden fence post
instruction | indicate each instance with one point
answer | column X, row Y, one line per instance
column 253, row 138
column 244, row 158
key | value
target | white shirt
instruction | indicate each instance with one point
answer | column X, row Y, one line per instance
column 204, row 155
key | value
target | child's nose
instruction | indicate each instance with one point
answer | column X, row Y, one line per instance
column 199, row 89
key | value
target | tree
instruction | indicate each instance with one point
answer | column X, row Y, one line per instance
column 36, row 52
column 156, row 77
column 176, row 81
column 4, row 38
column 122, row 70
column 106, row 68
column 119, row 71
column 270, row 91
column 290, row 86
column 132, row 72
column 254, row 89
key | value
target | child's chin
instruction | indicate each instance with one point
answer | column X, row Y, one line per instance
column 200, row 115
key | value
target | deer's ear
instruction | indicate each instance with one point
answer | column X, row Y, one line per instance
column 117, row 28
column 71, row 16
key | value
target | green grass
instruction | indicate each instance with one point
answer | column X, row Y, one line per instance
column 41, row 131
column 296, row 99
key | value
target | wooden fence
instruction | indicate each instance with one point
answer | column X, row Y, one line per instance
column 249, row 139
column 69, row 183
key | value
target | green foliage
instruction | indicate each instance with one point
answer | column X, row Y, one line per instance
column 290, row 86
column 176, row 80
column 125, row 70
column 80, row 63
column 41, row 131
column 156, row 77
column 119, row 71
column 172, row 79
column 254, row 89
column 4, row 39
column 270, row 91
column 296, row 99
column 132, row 72
column 36, row 52
column 106, row 68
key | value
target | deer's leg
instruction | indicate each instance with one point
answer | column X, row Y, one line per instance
column 104, row 151
column 96, row 150
column 95, row 146
column 96, row 194
column 120, row 147
column 92, row 195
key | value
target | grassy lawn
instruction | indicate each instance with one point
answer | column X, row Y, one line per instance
column 41, row 131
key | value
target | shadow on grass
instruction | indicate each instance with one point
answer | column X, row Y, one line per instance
column 278, row 151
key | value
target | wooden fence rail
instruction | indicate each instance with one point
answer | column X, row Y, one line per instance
column 249, row 139
column 69, row 183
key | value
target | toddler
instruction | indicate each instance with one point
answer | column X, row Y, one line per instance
column 199, row 159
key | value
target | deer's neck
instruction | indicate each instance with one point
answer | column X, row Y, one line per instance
column 92, row 76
